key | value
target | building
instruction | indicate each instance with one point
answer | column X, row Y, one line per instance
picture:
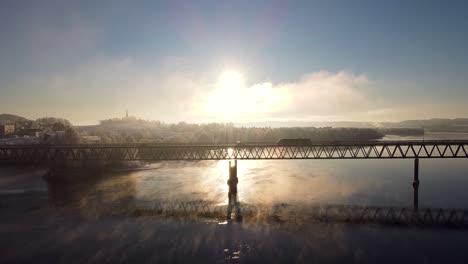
column 6, row 130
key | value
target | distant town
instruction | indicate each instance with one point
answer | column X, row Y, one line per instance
column 127, row 129
column 47, row 130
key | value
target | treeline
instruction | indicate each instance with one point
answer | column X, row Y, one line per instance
column 140, row 131
column 402, row 131
column 54, row 130
column 51, row 123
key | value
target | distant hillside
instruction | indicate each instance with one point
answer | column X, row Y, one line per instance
column 435, row 122
column 295, row 123
column 459, row 125
column 9, row 118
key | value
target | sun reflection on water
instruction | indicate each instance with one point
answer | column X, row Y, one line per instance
column 230, row 152
column 260, row 181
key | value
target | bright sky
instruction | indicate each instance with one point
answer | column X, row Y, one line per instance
column 237, row 61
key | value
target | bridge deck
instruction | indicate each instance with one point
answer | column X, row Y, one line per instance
column 316, row 150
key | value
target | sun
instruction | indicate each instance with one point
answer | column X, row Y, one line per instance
column 230, row 81
column 226, row 101
column 233, row 100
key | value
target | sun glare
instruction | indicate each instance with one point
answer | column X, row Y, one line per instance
column 226, row 100
column 232, row 100
column 230, row 81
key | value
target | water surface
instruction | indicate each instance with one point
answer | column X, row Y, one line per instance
column 357, row 182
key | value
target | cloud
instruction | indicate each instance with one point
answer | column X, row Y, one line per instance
column 316, row 95
column 231, row 99
column 105, row 88
column 325, row 93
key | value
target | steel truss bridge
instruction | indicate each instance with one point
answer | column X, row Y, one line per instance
column 161, row 152
column 82, row 154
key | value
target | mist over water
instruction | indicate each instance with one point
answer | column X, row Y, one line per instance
column 261, row 182
column 364, row 182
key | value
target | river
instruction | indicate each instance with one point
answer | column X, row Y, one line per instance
column 38, row 226
column 358, row 182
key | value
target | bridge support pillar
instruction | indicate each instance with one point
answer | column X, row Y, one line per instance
column 233, row 202
column 416, row 184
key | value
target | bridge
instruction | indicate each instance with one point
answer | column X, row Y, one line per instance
column 83, row 153
column 161, row 152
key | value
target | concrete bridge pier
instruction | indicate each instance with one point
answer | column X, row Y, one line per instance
column 233, row 201
column 416, row 184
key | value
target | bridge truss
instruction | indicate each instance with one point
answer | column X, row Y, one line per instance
column 160, row 152
column 65, row 155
